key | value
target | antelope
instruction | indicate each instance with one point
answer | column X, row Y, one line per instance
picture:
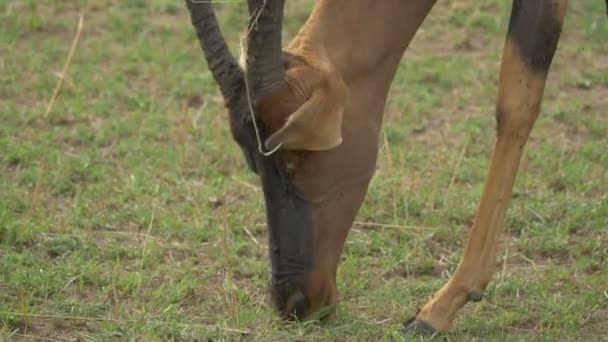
column 308, row 117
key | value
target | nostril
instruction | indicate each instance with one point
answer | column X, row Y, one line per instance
column 297, row 304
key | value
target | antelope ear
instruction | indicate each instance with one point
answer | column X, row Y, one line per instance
column 317, row 124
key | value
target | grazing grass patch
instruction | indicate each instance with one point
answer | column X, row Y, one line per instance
column 128, row 213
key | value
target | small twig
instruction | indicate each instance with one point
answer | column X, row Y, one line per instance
column 247, row 184
column 69, row 283
column 67, row 64
column 456, row 167
column 145, row 242
column 382, row 322
column 538, row 216
column 198, row 114
column 251, row 236
column 504, row 265
column 230, row 285
column 26, row 316
column 86, row 337
column 562, row 155
column 115, row 292
column 125, row 320
column 36, row 338
column 407, row 190
column 135, row 234
column 387, row 225
column 523, row 174
column 528, row 260
column 256, row 16
column 391, row 163
column 432, row 198
column 387, row 148
column 36, row 191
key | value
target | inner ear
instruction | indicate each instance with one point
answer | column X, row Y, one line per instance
column 310, row 111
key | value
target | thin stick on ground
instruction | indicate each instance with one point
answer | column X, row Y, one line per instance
column 145, row 242
column 389, row 156
column 504, row 265
column 456, row 167
column 251, row 236
column 229, row 283
column 362, row 224
column 35, row 338
column 127, row 320
column 67, row 64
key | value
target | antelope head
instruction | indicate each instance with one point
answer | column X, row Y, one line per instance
column 316, row 180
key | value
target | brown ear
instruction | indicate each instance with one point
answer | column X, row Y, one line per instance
column 317, row 124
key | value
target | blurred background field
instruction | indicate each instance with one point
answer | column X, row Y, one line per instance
column 127, row 212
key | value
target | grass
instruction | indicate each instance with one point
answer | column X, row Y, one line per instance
column 128, row 214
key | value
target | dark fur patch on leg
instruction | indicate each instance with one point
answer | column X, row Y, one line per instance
column 500, row 113
column 535, row 27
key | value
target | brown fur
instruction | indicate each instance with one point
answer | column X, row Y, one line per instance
column 328, row 113
column 344, row 82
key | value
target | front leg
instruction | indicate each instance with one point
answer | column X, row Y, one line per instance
column 534, row 31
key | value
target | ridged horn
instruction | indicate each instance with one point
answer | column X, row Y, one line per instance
column 265, row 70
column 224, row 67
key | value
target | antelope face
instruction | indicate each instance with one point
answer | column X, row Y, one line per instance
column 315, row 182
column 313, row 185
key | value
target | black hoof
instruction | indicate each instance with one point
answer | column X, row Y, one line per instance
column 475, row 296
column 417, row 327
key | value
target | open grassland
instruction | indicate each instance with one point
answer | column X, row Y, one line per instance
column 127, row 212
